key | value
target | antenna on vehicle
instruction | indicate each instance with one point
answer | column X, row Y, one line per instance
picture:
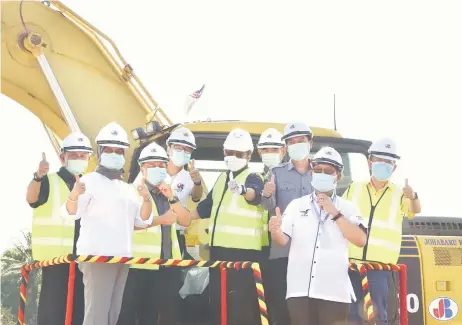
column 335, row 120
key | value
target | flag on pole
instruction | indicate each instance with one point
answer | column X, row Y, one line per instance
column 194, row 97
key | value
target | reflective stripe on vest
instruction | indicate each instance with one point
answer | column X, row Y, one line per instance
column 385, row 223
column 148, row 243
column 233, row 222
column 52, row 233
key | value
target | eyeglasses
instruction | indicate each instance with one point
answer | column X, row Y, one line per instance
column 324, row 170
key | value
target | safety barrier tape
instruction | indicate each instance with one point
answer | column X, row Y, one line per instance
column 361, row 267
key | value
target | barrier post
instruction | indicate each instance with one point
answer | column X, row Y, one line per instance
column 403, row 317
column 224, row 295
column 368, row 306
column 23, row 295
column 70, row 294
column 260, row 293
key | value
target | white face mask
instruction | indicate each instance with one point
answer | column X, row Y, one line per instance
column 112, row 161
column 77, row 166
column 271, row 159
column 180, row 157
column 234, row 164
column 299, row 151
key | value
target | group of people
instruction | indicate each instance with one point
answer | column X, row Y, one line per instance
column 289, row 219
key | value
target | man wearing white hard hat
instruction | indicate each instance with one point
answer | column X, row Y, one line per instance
column 320, row 226
column 187, row 185
column 289, row 181
column 109, row 210
column 235, row 230
column 383, row 204
column 151, row 292
column 55, row 235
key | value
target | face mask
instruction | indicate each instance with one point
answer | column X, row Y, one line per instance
column 180, row 157
column 156, row 175
column 112, row 161
column 271, row 159
column 77, row 166
column 324, row 183
column 381, row 170
column 299, row 151
column 234, row 164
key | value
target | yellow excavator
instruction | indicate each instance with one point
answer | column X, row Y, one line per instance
column 72, row 77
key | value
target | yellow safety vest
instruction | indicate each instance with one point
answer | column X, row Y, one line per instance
column 233, row 222
column 52, row 233
column 148, row 243
column 384, row 219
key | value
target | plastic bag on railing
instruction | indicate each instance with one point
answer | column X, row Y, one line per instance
column 195, row 282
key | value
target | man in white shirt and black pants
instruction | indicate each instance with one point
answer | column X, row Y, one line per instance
column 320, row 225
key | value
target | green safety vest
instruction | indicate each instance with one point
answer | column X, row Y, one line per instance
column 385, row 229
column 233, row 222
column 52, row 233
column 148, row 243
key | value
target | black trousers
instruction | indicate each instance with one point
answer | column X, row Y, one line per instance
column 310, row 311
column 53, row 296
column 241, row 291
column 275, row 284
column 151, row 297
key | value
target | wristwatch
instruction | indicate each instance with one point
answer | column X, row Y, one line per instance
column 174, row 200
column 416, row 196
column 337, row 216
column 198, row 183
column 36, row 178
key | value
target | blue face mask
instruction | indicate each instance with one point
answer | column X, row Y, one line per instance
column 77, row 166
column 323, row 183
column 156, row 175
column 112, row 161
column 381, row 170
column 299, row 151
column 180, row 157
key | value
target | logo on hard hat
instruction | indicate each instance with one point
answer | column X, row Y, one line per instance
column 269, row 136
column 292, row 126
column 186, row 134
column 238, row 135
column 114, row 132
column 154, row 150
column 329, row 153
column 388, row 146
column 80, row 139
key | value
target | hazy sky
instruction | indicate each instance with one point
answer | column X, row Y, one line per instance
column 394, row 66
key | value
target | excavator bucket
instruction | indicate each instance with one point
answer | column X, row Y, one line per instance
column 97, row 84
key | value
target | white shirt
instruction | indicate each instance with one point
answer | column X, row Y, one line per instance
column 182, row 186
column 318, row 256
column 109, row 211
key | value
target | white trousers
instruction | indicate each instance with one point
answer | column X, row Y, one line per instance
column 104, row 289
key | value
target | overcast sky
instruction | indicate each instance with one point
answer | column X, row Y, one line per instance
column 394, row 66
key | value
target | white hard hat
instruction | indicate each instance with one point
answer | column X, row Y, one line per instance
column 182, row 136
column 384, row 148
column 328, row 155
column 296, row 129
column 76, row 141
column 238, row 140
column 112, row 135
column 153, row 152
column 270, row 138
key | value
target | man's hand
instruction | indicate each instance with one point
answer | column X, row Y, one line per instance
column 142, row 188
column 408, row 191
column 234, row 186
column 78, row 189
column 168, row 218
column 326, row 204
column 269, row 188
column 194, row 173
column 275, row 222
column 44, row 166
column 166, row 190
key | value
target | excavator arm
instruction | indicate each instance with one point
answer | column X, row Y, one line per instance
column 68, row 73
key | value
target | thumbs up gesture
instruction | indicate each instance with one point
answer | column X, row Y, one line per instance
column 78, row 189
column 143, row 190
column 408, row 191
column 234, row 186
column 44, row 166
column 269, row 188
column 275, row 222
column 194, row 173
column 166, row 190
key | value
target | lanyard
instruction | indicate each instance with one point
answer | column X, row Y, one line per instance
column 315, row 209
